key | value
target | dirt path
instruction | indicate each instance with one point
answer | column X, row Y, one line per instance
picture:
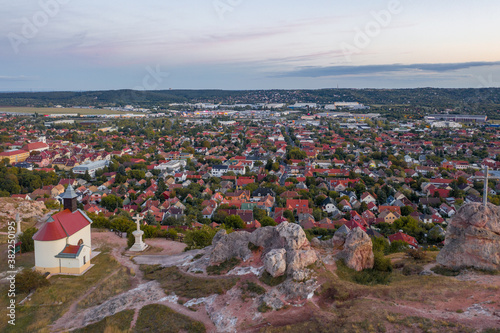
column 61, row 322
column 142, row 292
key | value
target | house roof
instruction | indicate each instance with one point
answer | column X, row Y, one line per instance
column 62, row 225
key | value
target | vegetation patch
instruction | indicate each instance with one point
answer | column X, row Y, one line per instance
column 252, row 247
column 119, row 322
column 173, row 280
column 263, row 307
column 412, row 269
column 116, row 284
column 271, row 281
column 223, row 267
column 49, row 303
column 441, row 270
column 160, row 318
column 254, row 288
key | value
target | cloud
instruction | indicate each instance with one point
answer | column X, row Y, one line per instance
column 17, row 78
column 379, row 69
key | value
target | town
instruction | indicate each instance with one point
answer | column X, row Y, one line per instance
column 186, row 172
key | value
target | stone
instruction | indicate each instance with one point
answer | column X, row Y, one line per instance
column 267, row 237
column 229, row 246
column 300, row 259
column 293, row 235
column 340, row 236
column 357, row 251
column 473, row 238
column 275, row 262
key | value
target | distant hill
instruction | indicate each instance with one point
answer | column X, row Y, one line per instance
column 483, row 100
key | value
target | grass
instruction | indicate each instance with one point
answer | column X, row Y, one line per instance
column 25, row 260
column 49, row 303
column 441, row 270
column 223, row 267
column 117, row 284
column 160, row 318
column 42, row 111
column 366, row 277
column 173, row 280
column 272, row 281
column 254, row 288
column 119, row 322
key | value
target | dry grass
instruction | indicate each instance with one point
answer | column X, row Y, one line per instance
column 49, row 303
column 116, row 284
column 117, row 323
column 160, row 318
column 173, row 280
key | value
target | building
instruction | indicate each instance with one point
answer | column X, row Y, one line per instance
column 63, row 243
column 15, row 156
column 91, row 167
column 219, row 170
column 36, row 146
column 459, row 118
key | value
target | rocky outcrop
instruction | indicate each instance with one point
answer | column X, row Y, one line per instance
column 340, row 236
column 357, row 251
column 473, row 238
column 27, row 209
column 285, row 248
column 275, row 262
column 227, row 246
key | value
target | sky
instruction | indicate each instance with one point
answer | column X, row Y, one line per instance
column 61, row 45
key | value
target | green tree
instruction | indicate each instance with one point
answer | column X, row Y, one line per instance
column 111, row 202
column 235, row 222
column 267, row 221
column 26, row 239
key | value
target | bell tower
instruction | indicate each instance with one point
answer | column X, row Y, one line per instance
column 69, row 199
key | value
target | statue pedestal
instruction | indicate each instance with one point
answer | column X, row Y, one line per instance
column 139, row 245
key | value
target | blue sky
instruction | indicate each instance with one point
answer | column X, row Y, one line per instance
column 243, row 44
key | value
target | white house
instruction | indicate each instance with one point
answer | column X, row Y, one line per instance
column 63, row 243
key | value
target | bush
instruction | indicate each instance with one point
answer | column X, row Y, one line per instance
column 200, row 238
column 412, row 269
column 26, row 239
column 171, row 234
column 223, row 267
column 381, row 263
column 416, row 254
column 441, row 270
column 272, row 281
column 28, row 280
column 253, row 287
column 398, row 246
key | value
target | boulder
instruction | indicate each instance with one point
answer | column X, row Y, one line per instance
column 293, row 235
column 357, row 252
column 227, row 246
column 300, row 259
column 340, row 236
column 275, row 262
column 267, row 237
column 473, row 238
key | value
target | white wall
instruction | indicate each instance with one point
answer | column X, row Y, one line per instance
column 45, row 252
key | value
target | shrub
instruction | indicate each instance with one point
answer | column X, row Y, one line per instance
column 412, row 269
column 381, row 263
column 263, row 307
column 171, row 234
column 223, row 267
column 28, row 280
column 200, row 238
column 272, row 281
column 441, row 270
column 253, row 287
column 398, row 246
column 26, row 239
column 416, row 254
column 252, row 247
